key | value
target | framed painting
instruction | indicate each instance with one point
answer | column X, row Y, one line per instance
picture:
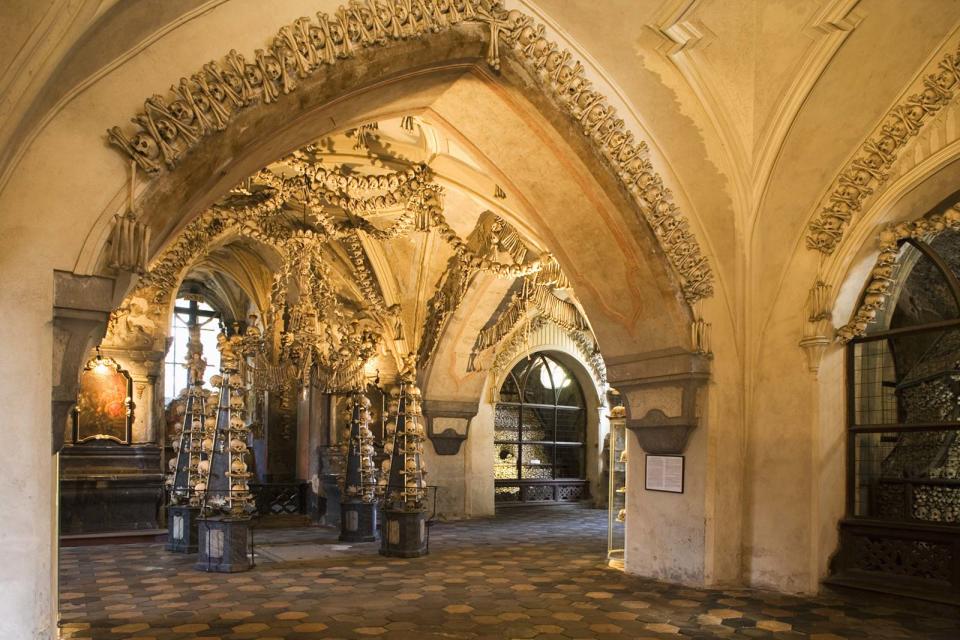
column 105, row 403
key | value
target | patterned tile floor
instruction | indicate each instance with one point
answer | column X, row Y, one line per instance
column 526, row 574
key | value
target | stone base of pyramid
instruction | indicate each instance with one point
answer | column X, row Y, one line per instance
column 358, row 521
column 182, row 536
column 403, row 534
column 225, row 545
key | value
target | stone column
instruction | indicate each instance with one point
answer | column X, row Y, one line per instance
column 448, row 427
column 666, row 536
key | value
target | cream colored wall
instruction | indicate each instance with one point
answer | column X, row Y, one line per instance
column 666, row 533
column 28, row 606
column 765, row 464
column 480, row 456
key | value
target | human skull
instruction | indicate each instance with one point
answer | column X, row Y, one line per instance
column 166, row 129
column 145, row 145
column 252, row 73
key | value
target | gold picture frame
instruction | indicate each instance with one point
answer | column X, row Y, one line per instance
column 104, row 409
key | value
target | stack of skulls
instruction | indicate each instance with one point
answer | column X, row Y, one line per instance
column 239, row 500
column 178, row 408
column 188, row 464
column 406, row 488
column 389, row 437
column 207, row 436
column 226, row 485
column 359, row 479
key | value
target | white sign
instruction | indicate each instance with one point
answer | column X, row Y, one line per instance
column 665, row 473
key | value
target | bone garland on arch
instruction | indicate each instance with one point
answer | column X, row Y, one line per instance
column 881, row 276
column 536, row 295
column 360, row 194
column 422, row 205
column 520, row 341
column 256, row 221
column 365, row 279
column 163, row 277
column 442, row 305
column 253, row 209
column 206, row 101
column 492, row 236
column 870, row 168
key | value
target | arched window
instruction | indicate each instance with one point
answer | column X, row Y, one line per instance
column 903, row 436
column 190, row 313
column 539, row 434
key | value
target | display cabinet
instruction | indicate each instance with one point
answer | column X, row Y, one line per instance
column 617, row 502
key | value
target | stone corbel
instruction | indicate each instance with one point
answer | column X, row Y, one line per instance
column 661, row 395
column 660, row 434
column 453, row 417
column 814, row 347
column 81, row 309
column 818, row 330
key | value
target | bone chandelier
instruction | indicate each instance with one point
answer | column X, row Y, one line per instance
column 303, row 209
column 315, row 341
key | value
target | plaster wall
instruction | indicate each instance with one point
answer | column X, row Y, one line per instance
column 466, row 479
column 28, row 495
column 779, row 494
column 666, row 532
column 449, row 474
column 480, row 454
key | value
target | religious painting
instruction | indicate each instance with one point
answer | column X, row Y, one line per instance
column 105, row 405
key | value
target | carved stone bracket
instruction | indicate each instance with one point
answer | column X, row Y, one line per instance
column 81, row 308
column 453, row 417
column 661, row 393
column 814, row 347
column 660, row 434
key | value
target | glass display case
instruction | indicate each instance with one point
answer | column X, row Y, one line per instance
column 617, row 502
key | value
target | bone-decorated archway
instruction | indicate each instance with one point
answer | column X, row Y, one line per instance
column 596, row 217
column 606, row 210
column 552, row 146
column 525, row 149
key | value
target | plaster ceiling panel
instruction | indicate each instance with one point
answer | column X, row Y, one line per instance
column 448, row 377
column 572, row 216
column 749, row 53
column 417, row 261
column 461, row 211
column 724, row 36
column 864, row 79
column 615, row 33
column 19, row 20
column 785, row 38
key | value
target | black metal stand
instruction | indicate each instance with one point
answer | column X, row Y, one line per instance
column 358, row 521
column 182, row 528
column 404, row 534
column 225, row 545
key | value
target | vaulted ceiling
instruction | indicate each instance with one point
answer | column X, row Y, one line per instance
column 403, row 277
column 751, row 107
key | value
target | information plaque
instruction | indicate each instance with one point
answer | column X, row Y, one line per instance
column 664, row 473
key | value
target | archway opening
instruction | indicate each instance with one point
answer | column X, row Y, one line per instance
column 540, row 435
column 429, row 204
column 903, row 435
